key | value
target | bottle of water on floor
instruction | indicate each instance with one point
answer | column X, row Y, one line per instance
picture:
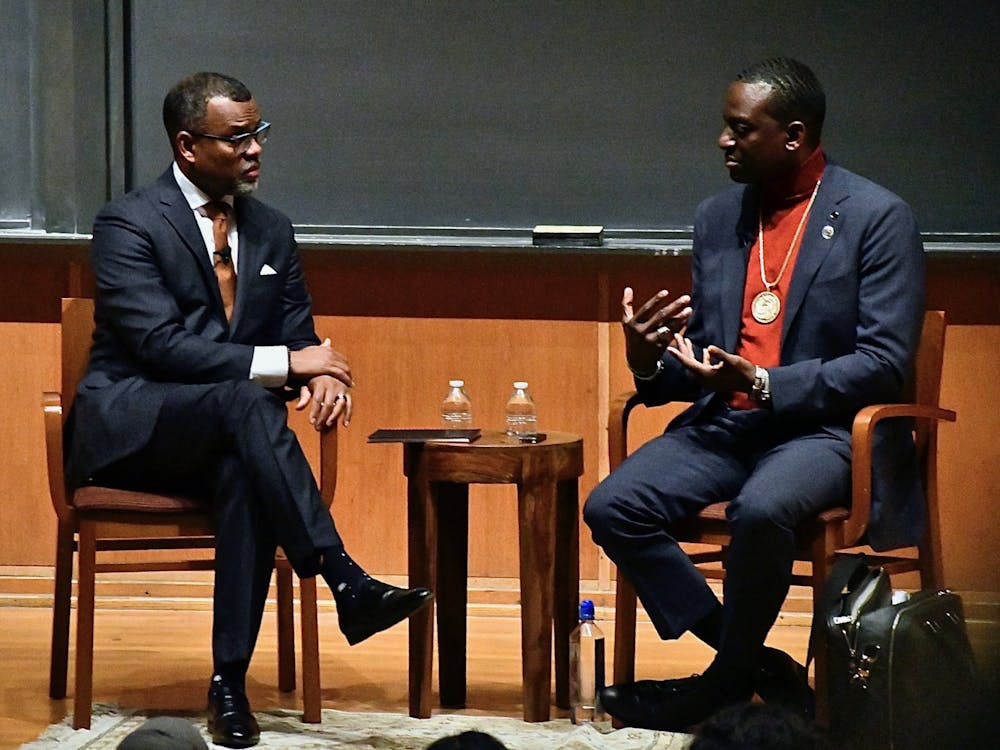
column 456, row 409
column 521, row 417
column 586, row 667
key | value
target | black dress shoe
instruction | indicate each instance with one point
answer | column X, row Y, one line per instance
column 380, row 606
column 229, row 718
column 783, row 681
column 631, row 700
column 671, row 705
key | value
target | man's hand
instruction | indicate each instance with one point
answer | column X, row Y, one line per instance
column 649, row 329
column 313, row 361
column 717, row 369
column 330, row 402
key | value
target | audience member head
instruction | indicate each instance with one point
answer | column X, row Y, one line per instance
column 164, row 733
column 758, row 726
column 470, row 740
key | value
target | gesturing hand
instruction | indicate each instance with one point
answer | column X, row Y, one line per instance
column 717, row 369
column 649, row 329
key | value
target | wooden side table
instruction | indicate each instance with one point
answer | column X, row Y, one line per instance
column 546, row 475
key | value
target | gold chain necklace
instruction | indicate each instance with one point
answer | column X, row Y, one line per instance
column 766, row 305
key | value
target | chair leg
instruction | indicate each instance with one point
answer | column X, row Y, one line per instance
column 625, row 605
column 823, row 555
column 83, row 692
column 286, row 627
column 309, row 616
column 61, row 604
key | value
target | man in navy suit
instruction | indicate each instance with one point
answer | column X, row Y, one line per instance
column 203, row 332
column 806, row 304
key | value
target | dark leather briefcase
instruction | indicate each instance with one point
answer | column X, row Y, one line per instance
column 901, row 675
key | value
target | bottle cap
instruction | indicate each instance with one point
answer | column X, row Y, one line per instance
column 520, row 383
column 586, row 610
column 456, row 383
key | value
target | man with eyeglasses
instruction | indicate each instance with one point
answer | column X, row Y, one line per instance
column 203, row 331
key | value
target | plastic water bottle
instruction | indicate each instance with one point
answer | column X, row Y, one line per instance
column 586, row 667
column 522, row 419
column 456, row 409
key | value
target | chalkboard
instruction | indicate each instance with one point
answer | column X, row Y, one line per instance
column 477, row 114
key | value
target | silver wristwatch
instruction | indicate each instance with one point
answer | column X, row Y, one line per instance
column 761, row 390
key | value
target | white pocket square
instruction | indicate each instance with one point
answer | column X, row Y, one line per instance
column 266, row 270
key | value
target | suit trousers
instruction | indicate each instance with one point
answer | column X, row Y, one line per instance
column 230, row 444
column 774, row 476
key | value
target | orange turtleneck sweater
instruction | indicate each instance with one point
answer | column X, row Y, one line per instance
column 783, row 206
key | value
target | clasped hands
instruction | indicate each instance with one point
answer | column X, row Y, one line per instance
column 327, row 377
column 658, row 326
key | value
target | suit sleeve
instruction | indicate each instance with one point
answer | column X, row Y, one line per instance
column 675, row 382
column 135, row 302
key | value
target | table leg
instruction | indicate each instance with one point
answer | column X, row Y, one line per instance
column 452, row 508
column 536, row 503
column 422, row 535
column 567, row 581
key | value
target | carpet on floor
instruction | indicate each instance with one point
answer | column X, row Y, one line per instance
column 373, row 731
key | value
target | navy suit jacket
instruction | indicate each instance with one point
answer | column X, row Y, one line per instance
column 851, row 326
column 159, row 319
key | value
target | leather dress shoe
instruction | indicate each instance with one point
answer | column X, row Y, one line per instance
column 229, row 718
column 380, row 606
column 630, row 699
column 783, row 681
column 670, row 705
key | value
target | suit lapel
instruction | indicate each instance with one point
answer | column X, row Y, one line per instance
column 179, row 215
column 734, row 272
column 251, row 247
column 821, row 235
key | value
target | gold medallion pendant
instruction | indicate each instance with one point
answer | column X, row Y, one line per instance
column 765, row 307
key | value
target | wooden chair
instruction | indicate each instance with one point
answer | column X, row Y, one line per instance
column 819, row 539
column 95, row 520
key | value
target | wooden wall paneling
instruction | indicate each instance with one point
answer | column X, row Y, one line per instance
column 402, row 366
column 28, row 367
column 969, row 459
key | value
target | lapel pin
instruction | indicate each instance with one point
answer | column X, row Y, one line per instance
column 834, row 214
column 827, row 232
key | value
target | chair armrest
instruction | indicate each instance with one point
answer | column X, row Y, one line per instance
column 328, row 464
column 862, row 434
column 52, row 414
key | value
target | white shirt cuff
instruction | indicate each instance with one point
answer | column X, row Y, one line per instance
column 269, row 367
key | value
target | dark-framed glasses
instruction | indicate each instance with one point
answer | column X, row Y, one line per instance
column 241, row 141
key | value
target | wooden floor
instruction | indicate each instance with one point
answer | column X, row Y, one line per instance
column 160, row 661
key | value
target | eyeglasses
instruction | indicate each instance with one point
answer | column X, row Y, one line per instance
column 241, row 141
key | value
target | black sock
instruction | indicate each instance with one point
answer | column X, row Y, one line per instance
column 233, row 675
column 343, row 576
column 709, row 628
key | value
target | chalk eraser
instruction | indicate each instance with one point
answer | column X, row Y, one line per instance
column 561, row 234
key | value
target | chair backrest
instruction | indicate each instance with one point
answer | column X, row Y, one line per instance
column 77, row 335
column 925, row 385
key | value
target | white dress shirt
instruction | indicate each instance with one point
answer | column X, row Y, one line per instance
column 269, row 367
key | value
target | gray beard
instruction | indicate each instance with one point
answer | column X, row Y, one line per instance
column 245, row 188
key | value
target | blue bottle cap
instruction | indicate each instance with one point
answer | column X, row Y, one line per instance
column 586, row 610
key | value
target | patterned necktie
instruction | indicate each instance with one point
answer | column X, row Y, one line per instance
column 218, row 212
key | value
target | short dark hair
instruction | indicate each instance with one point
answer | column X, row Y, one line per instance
column 796, row 91
column 468, row 740
column 185, row 104
column 758, row 726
